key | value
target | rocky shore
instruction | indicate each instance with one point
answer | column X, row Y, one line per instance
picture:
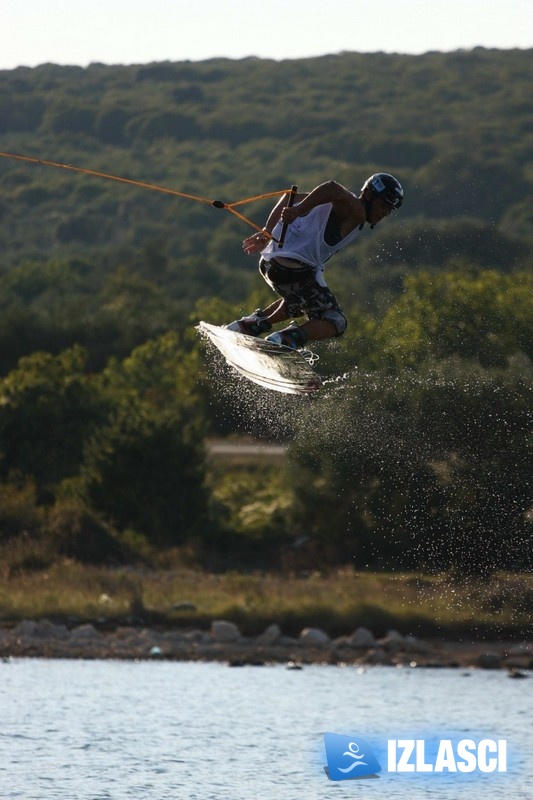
column 225, row 643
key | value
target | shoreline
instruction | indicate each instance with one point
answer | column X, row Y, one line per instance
column 225, row 644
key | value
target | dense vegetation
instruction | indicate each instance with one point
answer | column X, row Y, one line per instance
column 420, row 458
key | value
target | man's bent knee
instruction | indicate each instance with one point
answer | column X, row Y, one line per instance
column 338, row 319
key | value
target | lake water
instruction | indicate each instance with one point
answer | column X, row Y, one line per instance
column 101, row 730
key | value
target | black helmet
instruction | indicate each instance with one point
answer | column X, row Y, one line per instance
column 387, row 187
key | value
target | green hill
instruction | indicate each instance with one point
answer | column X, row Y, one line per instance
column 95, row 262
column 452, row 126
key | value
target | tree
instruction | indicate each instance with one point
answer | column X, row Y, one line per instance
column 427, row 470
column 479, row 315
column 141, row 472
column 144, row 468
column 48, row 408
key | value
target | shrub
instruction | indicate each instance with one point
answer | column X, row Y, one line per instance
column 78, row 533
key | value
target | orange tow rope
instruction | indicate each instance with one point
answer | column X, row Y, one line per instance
column 216, row 203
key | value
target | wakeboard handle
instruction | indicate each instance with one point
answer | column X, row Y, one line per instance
column 292, row 195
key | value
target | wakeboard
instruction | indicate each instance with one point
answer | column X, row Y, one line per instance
column 270, row 365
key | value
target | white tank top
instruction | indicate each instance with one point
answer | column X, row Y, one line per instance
column 304, row 240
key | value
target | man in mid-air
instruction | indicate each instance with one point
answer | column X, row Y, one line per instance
column 318, row 225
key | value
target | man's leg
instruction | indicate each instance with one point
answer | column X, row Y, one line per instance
column 331, row 324
column 319, row 329
column 296, row 336
column 261, row 320
column 276, row 312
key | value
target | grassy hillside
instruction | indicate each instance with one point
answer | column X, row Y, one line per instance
column 339, row 602
column 452, row 126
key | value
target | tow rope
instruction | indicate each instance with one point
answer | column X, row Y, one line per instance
column 231, row 207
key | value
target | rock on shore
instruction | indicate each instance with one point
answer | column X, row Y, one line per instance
column 224, row 642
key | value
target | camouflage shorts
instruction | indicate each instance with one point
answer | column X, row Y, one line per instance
column 300, row 290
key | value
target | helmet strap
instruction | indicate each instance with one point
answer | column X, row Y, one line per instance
column 367, row 202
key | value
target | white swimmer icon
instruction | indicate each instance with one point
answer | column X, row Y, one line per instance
column 354, row 752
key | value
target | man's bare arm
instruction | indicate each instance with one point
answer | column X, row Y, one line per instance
column 258, row 241
column 348, row 208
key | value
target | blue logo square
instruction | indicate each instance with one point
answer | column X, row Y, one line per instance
column 349, row 757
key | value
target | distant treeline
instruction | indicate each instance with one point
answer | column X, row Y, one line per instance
column 454, row 127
